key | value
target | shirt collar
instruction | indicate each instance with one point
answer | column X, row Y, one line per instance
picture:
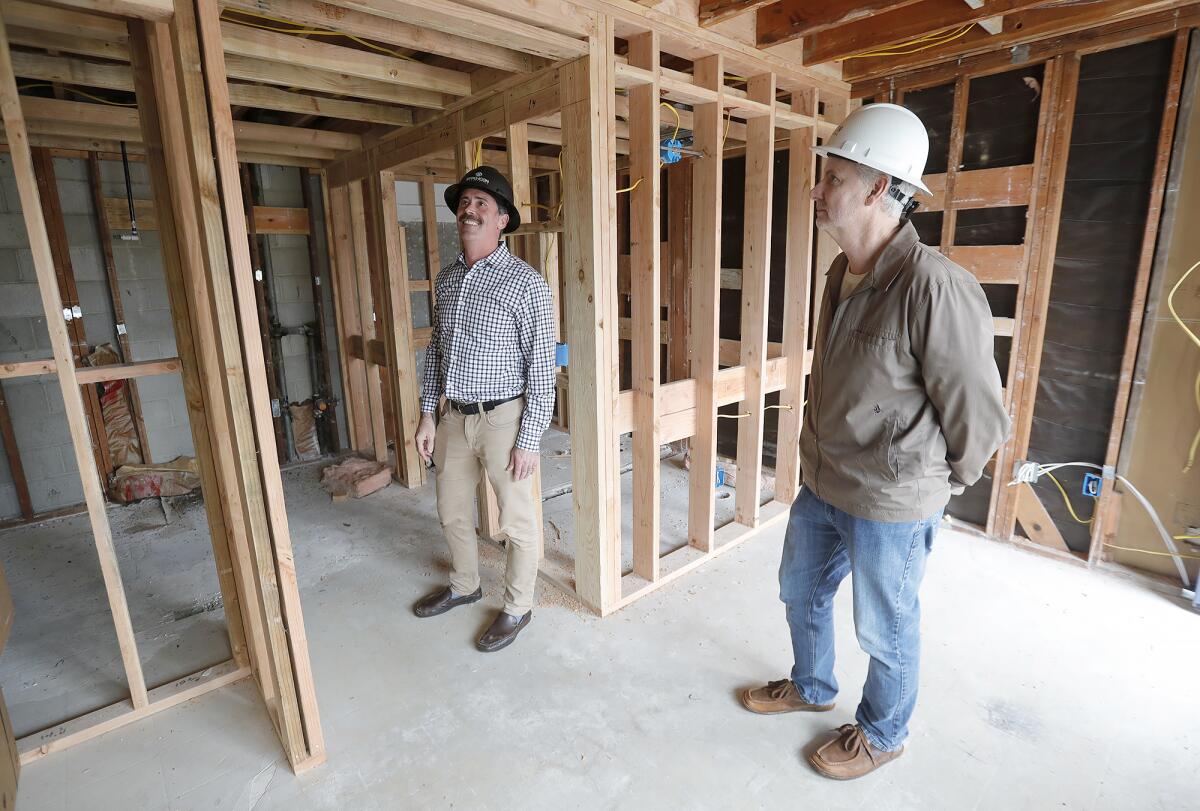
column 888, row 265
column 496, row 256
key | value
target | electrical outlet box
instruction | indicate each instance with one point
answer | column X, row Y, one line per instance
column 1091, row 485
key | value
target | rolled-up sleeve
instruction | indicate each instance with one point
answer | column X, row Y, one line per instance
column 952, row 337
column 536, row 336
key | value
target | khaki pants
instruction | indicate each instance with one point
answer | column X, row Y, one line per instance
column 465, row 444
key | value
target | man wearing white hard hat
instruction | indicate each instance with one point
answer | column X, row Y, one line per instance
column 904, row 410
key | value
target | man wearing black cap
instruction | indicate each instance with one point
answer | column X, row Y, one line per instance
column 491, row 355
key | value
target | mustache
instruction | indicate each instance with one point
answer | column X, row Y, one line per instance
column 470, row 218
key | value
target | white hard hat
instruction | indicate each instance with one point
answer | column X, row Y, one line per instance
column 885, row 137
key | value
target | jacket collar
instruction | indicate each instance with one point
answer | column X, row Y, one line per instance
column 889, row 264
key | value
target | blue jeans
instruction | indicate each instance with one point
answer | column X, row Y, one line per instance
column 823, row 545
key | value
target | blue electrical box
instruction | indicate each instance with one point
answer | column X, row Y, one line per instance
column 560, row 354
column 1091, row 485
column 670, row 150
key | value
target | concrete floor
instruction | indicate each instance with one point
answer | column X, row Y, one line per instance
column 1043, row 686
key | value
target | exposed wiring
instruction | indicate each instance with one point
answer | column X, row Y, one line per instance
column 80, row 93
column 1191, row 459
column 726, row 135
column 929, row 43
column 733, row 416
column 1152, row 552
column 1067, row 501
column 1030, row 472
column 296, row 28
column 1187, row 537
column 478, row 154
column 678, row 122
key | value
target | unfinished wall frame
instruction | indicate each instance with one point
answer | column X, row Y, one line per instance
column 1031, row 265
column 584, row 97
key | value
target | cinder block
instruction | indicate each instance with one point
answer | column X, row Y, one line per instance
column 279, row 186
column 10, row 507
column 43, row 463
column 54, row 400
column 70, row 465
column 112, row 173
column 23, row 299
column 26, row 399
column 25, row 262
column 70, row 169
column 408, row 191
column 99, row 329
column 449, row 246
column 12, row 231
column 420, row 310
column 140, row 259
column 158, row 413
column 74, row 196
column 409, row 212
column 287, row 289
column 414, row 238
column 87, row 262
column 168, row 442
column 299, row 379
column 444, row 214
column 10, row 268
column 16, row 335
column 293, row 314
column 50, row 494
column 41, row 335
column 146, row 350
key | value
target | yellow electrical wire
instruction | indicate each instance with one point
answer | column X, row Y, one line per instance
column 1185, row 537
column 308, row 30
column 1152, row 552
column 678, row 124
column 80, row 93
column 1068, row 502
column 1191, row 460
column 478, row 154
column 925, row 47
column 728, row 118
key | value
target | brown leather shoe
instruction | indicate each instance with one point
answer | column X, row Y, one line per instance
column 850, row 755
column 443, row 600
column 778, row 697
column 502, row 631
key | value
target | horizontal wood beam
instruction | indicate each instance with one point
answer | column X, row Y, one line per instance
column 85, row 73
column 717, row 11
column 324, row 81
column 1019, row 29
column 394, row 32
column 155, row 10
column 128, row 371
column 242, row 40
column 63, row 21
column 267, row 219
column 790, row 19
column 990, row 264
column 1100, row 37
column 981, row 188
column 902, row 25
column 474, row 23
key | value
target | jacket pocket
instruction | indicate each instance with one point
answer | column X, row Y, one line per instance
column 886, row 453
column 874, row 336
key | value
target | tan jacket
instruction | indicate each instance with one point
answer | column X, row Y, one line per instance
column 904, row 400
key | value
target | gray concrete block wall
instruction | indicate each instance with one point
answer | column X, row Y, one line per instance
column 35, row 404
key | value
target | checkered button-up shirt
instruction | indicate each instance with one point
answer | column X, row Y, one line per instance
column 493, row 338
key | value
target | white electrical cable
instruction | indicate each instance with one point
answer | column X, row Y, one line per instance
column 1030, row 472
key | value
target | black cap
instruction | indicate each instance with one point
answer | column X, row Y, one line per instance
column 487, row 179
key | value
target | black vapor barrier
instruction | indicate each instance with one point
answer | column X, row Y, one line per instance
column 1114, row 143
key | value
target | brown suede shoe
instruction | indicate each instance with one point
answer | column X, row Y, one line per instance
column 850, row 755
column 443, row 600
column 502, row 631
column 778, row 697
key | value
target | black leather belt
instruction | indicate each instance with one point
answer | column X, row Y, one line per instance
column 479, row 408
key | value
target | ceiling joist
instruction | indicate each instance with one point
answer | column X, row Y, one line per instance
column 791, row 19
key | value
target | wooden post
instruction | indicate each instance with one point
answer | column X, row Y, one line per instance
column 1109, row 504
column 1051, row 182
column 706, row 299
column 589, row 167
column 15, row 469
column 802, row 163
column 264, row 316
column 345, row 285
column 402, row 378
column 323, row 385
column 367, row 319
column 429, row 221
column 60, row 253
column 104, row 234
column 64, row 362
column 644, row 239
column 756, row 273
column 154, row 80
column 958, row 128
column 679, row 240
